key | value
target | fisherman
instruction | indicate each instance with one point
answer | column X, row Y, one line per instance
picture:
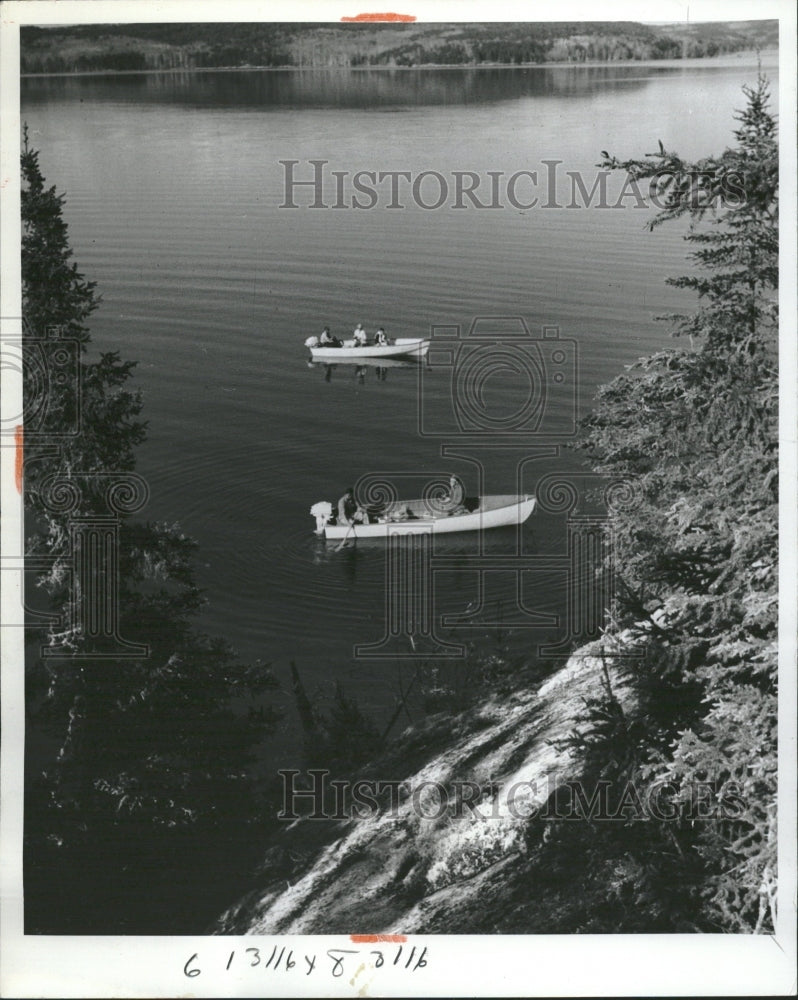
column 379, row 337
column 359, row 335
column 349, row 511
column 454, row 501
column 327, row 340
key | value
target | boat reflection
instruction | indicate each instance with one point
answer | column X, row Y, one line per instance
column 358, row 367
column 506, row 541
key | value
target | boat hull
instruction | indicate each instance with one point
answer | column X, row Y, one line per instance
column 493, row 512
column 399, row 362
column 402, row 347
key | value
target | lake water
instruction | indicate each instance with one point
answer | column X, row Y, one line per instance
column 174, row 188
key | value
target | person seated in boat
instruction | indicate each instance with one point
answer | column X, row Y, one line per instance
column 327, row 340
column 359, row 335
column 379, row 337
column 349, row 511
column 454, row 501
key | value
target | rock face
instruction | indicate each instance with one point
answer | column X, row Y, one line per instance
column 429, row 861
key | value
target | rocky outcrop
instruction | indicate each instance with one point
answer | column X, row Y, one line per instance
column 441, row 856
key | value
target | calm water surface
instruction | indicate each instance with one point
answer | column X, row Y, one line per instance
column 173, row 187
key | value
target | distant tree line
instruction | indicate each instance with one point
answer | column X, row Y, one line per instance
column 169, row 46
column 91, row 62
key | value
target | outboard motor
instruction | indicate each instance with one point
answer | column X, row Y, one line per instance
column 312, row 342
column 322, row 511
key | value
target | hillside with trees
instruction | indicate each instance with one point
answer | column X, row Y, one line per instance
column 95, row 48
column 695, row 429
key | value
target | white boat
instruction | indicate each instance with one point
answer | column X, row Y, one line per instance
column 415, row 517
column 400, row 347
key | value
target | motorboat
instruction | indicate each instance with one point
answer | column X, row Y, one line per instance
column 399, row 347
column 434, row 516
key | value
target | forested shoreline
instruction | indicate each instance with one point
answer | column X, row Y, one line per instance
column 144, row 765
column 694, row 429
column 127, row 48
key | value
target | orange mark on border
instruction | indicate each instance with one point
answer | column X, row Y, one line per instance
column 402, row 18
column 378, row 938
column 18, row 457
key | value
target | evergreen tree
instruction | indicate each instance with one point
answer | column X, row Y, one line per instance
column 54, row 293
column 133, row 756
column 695, row 429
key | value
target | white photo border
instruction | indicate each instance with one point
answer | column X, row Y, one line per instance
column 606, row 965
